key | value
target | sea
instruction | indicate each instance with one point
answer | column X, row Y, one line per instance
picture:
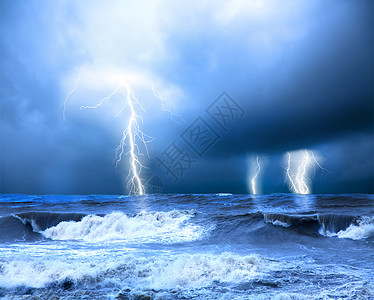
column 174, row 246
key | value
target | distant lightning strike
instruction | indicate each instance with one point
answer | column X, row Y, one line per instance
column 301, row 176
column 290, row 174
column 299, row 184
column 253, row 181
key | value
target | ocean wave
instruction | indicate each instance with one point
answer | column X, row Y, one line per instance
column 328, row 225
column 163, row 272
column 27, row 226
column 42, row 220
column 288, row 220
column 180, row 226
column 196, row 270
column 278, row 223
column 159, row 227
column 363, row 228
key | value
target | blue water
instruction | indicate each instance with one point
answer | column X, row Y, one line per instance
column 278, row 246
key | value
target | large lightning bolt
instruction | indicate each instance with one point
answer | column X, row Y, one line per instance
column 299, row 184
column 130, row 134
column 253, row 181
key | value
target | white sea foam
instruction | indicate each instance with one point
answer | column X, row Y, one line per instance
column 278, row 223
column 291, row 296
column 201, row 270
column 362, row 230
column 20, row 219
column 135, row 271
column 33, row 273
column 162, row 227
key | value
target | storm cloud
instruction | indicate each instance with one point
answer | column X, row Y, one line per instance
column 301, row 70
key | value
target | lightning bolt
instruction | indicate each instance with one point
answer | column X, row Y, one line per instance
column 317, row 163
column 70, row 93
column 301, row 176
column 107, row 98
column 253, row 181
column 131, row 134
column 290, row 175
column 300, row 183
column 164, row 106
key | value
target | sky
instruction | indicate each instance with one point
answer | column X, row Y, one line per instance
column 218, row 84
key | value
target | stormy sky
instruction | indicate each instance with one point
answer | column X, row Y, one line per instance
column 220, row 83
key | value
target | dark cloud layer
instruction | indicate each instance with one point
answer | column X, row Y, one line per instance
column 303, row 76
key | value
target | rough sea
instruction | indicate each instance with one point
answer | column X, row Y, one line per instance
column 221, row 246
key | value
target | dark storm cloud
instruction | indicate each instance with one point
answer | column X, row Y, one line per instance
column 321, row 88
column 302, row 72
column 350, row 161
column 40, row 154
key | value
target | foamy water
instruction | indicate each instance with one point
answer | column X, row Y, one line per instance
column 162, row 272
column 187, row 247
column 364, row 229
column 164, row 227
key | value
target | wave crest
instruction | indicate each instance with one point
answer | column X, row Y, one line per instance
column 161, row 272
column 362, row 229
column 163, row 227
column 329, row 225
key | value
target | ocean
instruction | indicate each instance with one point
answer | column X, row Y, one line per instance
column 218, row 246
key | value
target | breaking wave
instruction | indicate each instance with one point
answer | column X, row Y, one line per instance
column 362, row 229
column 180, row 226
column 185, row 270
column 162, row 227
column 328, row 225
